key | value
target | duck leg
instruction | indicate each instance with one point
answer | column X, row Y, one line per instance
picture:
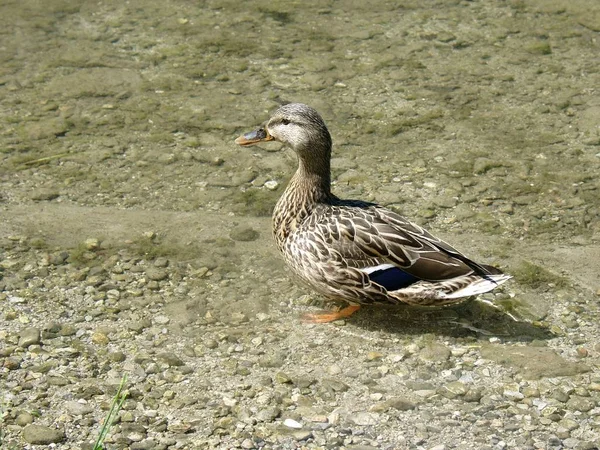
column 326, row 317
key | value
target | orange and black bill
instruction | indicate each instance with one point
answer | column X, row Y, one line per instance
column 254, row 137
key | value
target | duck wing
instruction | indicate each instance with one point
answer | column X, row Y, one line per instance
column 374, row 240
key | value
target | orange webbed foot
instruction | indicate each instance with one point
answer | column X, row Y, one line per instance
column 326, row 317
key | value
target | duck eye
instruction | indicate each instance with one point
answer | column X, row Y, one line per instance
column 285, row 121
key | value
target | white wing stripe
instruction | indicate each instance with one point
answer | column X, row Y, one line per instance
column 372, row 269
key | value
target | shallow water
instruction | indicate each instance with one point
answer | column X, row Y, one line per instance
column 470, row 117
column 480, row 120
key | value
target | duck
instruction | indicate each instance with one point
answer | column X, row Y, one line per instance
column 357, row 253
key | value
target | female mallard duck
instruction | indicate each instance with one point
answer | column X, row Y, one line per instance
column 353, row 252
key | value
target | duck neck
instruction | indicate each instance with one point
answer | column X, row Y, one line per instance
column 310, row 186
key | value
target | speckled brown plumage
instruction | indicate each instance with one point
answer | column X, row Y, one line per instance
column 355, row 252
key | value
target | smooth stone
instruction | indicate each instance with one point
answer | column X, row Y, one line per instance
column 77, row 408
column 302, row 435
column 532, row 362
column 335, row 385
column 156, row 274
column 398, row 403
column 583, row 404
column 445, row 202
column 44, row 194
column 244, row 234
column 161, row 262
column 482, row 165
column 42, row 435
column 170, row 359
column 24, row 419
column 247, row 444
column 100, row 338
column 291, row 423
column 271, row 185
column 144, row 444
column 161, row 320
column 29, row 336
column 453, row 390
column 268, row 414
column 364, row 418
column 435, row 352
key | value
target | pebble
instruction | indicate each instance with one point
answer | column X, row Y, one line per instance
column 271, row 185
column 156, row 274
column 44, row 194
column 170, row 359
column 453, row 390
column 435, row 352
column 399, row 403
column 100, row 338
column 24, row 419
column 247, row 444
column 364, row 418
column 78, row 408
column 335, row 385
column 42, row 435
column 583, row 404
column 268, row 414
column 244, row 234
column 29, row 336
column 161, row 320
column 91, row 244
column 144, row 444
column 161, row 262
column 302, row 435
column 291, row 423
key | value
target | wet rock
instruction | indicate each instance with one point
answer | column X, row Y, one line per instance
column 42, row 435
column 560, row 395
column 271, row 185
column 94, row 82
column 364, row 418
column 29, row 336
column 453, row 390
column 138, row 326
column 12, row 363
column 44, row 129
column 161, row 262
column 24, row 419
column 482, row 165
column 56, row 259
column 532, row 362
column 275, row 360
column 44, row 194
column 156, row 274
column 100, row 338
column 247, row 444
column 435, row 352
column 301, row 435
column 583, row 404
column 282, row 377
column 78, row 408
column 473, row 395
column 268, row 414
column 445, row 201
column 161, row 320
column 144, row 444
column 291, row 423
column 398, row 403
column 244, row 234
column 170, row 359
column 335, row 385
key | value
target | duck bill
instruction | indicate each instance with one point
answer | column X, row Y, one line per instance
column 254, row 137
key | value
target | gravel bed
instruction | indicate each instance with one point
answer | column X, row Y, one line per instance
column 135, row 235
